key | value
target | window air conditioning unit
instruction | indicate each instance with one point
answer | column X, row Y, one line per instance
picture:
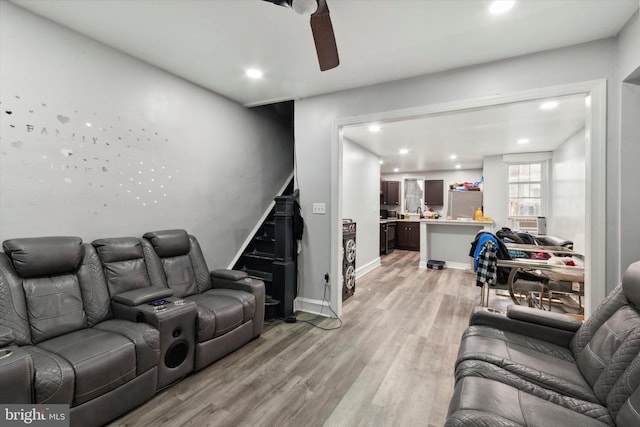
column 536, row 225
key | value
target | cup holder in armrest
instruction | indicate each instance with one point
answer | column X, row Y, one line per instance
column 493, row 310
column 5, row 353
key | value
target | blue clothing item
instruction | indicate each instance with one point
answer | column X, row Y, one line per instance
column 482, row 240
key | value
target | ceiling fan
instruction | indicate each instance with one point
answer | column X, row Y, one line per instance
column 321, row 29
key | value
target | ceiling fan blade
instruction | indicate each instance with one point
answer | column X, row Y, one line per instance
column 285, row 3
column 324, row 38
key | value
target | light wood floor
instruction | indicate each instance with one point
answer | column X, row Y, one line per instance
column 390, row 364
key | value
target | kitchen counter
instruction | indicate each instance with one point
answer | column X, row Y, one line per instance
column 449, row 240
column 416, row 219
column 438, row 221
column 458, row 222
column 387, row 221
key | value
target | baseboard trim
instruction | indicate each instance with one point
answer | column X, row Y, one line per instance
column 312, row 306
column 367, row 268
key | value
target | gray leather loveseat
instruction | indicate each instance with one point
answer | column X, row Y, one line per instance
column 529, row 367
column 100, row 327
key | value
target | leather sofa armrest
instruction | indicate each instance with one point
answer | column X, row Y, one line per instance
column 483, row 316
column 6, row 336
column 226, row 274
column 142, row 295
column 545, row 318
column 235, row 279
column 240, row 280
column 16, row 375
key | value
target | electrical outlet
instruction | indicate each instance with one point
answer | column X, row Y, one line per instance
column 319, row 208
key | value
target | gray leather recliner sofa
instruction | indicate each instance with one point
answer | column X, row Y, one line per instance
column 230, row 305
column 102, row 327
column 529, row 367
column 60, row 340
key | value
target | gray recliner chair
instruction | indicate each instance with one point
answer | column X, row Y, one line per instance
column 230, row 305
column 134, row 298
column 60, row 338
column 530, row 367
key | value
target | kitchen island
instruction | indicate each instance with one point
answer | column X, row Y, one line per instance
column 449, row 240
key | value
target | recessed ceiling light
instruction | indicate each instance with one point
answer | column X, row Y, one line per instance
column 88, row 124
column 458, row 166
column 254, row 73
column 548, row 105
column 381, row 162
column 523, row 141
column 396, row 170
column 453, row 157
column 501, row 6
column 403, row 151
column 374, row 128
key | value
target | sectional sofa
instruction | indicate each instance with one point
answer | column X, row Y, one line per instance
column 528, row 367
column 102, row 327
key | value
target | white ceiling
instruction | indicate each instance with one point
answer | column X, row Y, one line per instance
column 471, row 135
column 212, row 43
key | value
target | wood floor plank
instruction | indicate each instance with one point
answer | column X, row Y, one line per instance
column 390, row 364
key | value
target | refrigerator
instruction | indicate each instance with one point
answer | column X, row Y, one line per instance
column 463, row 204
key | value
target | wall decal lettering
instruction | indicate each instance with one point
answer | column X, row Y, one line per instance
column 87, row 140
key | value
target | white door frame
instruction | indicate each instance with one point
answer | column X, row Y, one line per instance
column 596, row 142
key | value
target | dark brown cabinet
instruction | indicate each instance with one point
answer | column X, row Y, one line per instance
column 389, row 192
column 408, row 235
column 434, row 192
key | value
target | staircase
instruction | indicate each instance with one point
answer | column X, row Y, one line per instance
column 258, row 256
column 270, row 256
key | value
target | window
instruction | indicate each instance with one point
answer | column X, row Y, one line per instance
column 526, row 189
column 412, row 195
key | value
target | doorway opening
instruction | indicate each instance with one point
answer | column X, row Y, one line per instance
column 595, row 168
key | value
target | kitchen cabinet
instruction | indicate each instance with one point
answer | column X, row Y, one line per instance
column 434, row 192
column 408, row 235
column 390, row 192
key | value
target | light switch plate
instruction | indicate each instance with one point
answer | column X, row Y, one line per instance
column 319, row 208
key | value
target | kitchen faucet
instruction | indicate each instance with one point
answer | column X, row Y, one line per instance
column 419, row 210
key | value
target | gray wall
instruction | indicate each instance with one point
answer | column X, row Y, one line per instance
column 361, row 202
column 629, row 47
column 496, row 194
column 566, row 218
column 630, row 175
column 160, row 153
column 629, row 67
column 316, row 117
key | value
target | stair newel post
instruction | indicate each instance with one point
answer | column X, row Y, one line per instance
column 284, row 265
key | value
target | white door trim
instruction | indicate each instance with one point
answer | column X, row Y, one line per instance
column 595, row 219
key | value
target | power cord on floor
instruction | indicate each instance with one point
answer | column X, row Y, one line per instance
column 324, row 299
